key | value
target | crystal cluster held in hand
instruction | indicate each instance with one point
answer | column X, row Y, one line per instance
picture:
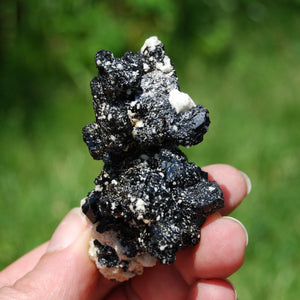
column 148, row 201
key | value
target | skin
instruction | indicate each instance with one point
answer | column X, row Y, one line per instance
column 61, row 268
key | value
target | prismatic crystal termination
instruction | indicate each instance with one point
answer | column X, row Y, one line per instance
column 148, row 201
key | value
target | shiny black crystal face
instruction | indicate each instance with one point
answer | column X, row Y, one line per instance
column 148, row 195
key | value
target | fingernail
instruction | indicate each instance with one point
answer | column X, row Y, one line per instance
column 248, row 182
column 242, row 225
column 67, row 231
column 235, row 293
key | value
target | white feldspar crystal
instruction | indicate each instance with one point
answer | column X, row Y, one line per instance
column 166, row 66
column 150, row 44
column 146, row 67
column 136, row 264
column 181, row 101
column 98, row 188
column 140, row 205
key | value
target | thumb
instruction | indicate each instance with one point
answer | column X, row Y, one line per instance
column 65, row 270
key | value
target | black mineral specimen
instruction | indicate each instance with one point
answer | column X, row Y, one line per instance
column 149, row 201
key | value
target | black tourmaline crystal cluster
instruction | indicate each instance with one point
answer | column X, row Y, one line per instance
column 148, row 201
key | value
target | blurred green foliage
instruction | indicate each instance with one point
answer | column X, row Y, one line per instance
column 239, row 58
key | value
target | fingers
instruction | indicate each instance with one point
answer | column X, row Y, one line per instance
column 213, row 289
column 22, row 266
column 223, row 239
column 65, row 270
column 161, row 283
column 234, row 184
column 219, row 253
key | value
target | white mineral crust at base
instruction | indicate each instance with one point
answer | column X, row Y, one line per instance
column 136, row 264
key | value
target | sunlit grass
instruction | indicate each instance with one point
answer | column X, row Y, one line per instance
column 254, row 108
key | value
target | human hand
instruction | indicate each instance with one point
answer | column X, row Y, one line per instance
column 61, row 268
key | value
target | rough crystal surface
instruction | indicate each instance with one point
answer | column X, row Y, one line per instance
column 148, row 201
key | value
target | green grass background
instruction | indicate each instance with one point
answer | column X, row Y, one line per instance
column 240, row 59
